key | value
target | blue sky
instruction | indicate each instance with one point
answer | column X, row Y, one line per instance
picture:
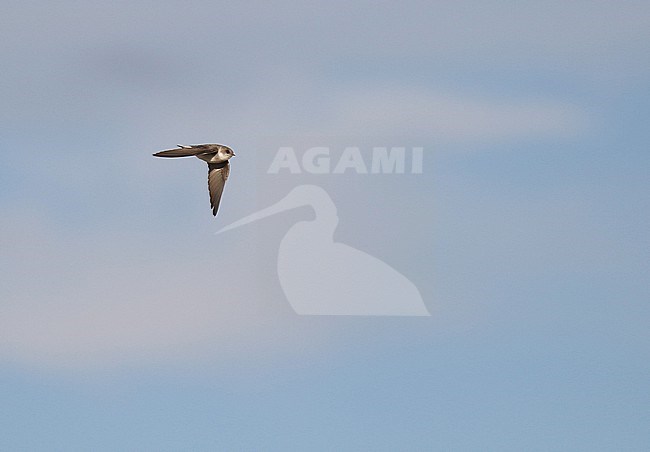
column 126, row 324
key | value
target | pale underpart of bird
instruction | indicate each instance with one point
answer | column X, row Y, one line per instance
column 216, row 156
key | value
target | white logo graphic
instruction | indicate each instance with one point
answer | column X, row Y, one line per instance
column 318, row 160
column 323, row 277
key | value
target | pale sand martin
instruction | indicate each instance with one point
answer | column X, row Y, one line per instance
column 217, row 156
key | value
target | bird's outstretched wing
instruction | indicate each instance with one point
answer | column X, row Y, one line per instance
column 188, row 151
column 217, row 176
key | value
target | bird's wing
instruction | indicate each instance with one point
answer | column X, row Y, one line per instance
column 188, row 151
column 217, row 176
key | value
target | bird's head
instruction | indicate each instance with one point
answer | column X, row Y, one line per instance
column 225, row 153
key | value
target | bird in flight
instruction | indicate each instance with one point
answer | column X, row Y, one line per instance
column 217, row 156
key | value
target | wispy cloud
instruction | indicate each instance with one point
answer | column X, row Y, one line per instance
column 452, row 117
column 70, row 306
